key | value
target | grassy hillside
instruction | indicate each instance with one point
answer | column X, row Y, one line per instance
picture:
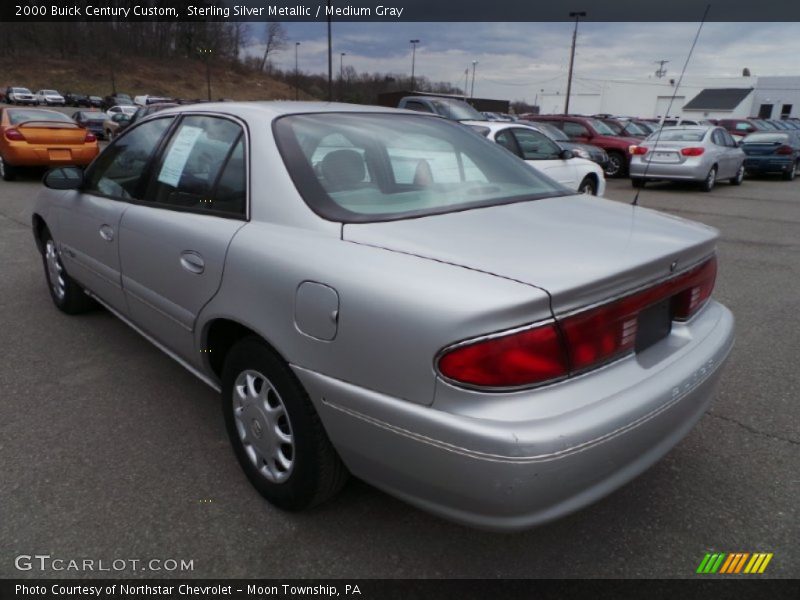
column 179, row 78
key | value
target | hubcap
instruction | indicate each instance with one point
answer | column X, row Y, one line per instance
column 710, row 179
column 55, row 272
column 263, row 426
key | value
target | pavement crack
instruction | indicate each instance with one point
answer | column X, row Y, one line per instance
column 753, row 430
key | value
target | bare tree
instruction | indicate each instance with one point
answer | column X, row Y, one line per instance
column 276, row 40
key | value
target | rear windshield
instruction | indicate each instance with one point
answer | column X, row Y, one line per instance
column 94, row 116
column 679, row 135
column 352, row 167
column 766, row 138
column 21, row 115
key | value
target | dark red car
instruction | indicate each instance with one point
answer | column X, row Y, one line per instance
column 589, row 130
column 739, row 127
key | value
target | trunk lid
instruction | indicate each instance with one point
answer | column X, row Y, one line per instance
column 52, row 133
column 581, row 250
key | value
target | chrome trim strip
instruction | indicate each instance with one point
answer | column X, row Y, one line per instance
column 193, row 370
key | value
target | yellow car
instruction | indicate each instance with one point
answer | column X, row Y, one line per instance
column 31, row 137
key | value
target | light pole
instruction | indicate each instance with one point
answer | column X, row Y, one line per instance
column 472, row 89
column 413, row 60
column 330, row 53
column 296, row 74
column 341, row 75
column 577, row 16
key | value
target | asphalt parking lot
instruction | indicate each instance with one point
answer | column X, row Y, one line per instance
column 111, row 450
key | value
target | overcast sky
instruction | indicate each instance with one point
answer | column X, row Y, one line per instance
column 518, row 60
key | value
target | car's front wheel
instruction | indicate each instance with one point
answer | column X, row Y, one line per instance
column 739, row 177
column 710, row 180
column 616, row 165
column 275, row 431
column 588, row 186
column 67, row 295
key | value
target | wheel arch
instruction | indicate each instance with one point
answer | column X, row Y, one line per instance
column 39, row 228
column 220, row 335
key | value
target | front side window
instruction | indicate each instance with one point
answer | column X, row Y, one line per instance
column 355, row 167
column 120, row 169
column 204, row 155
column 536, row 146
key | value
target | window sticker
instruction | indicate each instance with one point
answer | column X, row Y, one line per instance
column 178, row 154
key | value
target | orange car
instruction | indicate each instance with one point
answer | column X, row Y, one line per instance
column 32, row 137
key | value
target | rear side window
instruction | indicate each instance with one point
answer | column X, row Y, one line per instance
column 120, row 169
column 202, row 168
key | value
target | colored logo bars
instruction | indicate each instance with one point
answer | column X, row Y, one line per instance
column 734, row 562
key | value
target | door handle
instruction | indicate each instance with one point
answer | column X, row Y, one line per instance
column 107, row 232
column 192, row 262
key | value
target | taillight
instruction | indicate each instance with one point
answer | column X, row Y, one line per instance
column 784, row 150
column 521, row 358
column 14, row 135
column 578, row 342
column 638, row 150
column 90, row 137
column 698, row 151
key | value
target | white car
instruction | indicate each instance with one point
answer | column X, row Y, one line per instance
column 19, row 95
column 50, row 98
column 126, row 110
column 545, row 155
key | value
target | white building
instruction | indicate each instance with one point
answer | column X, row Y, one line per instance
column 716, row 98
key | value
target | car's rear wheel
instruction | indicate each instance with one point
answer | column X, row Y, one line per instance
column 67, row 295
column 791, row 173
column 588, row 186
column 637, row 182
column 739, row 177
column 710, row 180
column 616, row 165
column 275, row 431
column 7, row 171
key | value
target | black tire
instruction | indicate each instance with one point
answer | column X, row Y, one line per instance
column 588, row 186
column 791, row 173
column 711, row 179
column 316, row 473
column 637, row 182
column 739, row 177
column 617, row 165
column 7, row 171
column 74, row 300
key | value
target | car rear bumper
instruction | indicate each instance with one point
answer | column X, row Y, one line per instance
column 697, row 171
column 521, row 462
column 768, row 164
column 27, row 155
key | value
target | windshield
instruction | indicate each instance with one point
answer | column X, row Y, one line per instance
column 600, row 127
column 766, row 138
column 553, row 132
column 678, row 135
column 20, row 115
column 632, row 128
column 50, row 92
column 457, row 111
column 21, row 90
column 353, row 167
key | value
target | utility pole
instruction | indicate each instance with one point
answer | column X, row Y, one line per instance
column 577, row 16
column 466, row 82
column 330, row 54
column 661, row 71
column 413, row 61
column 472, row 89
column 205, row 54
column 296, row 74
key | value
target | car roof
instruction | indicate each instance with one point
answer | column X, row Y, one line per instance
column 277, row 108
column 496, row 125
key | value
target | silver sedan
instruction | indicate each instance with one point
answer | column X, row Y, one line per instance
column 387, row 294
column 698, row 153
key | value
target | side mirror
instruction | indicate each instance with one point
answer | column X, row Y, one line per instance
column 566, row 154
column 63, row 178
